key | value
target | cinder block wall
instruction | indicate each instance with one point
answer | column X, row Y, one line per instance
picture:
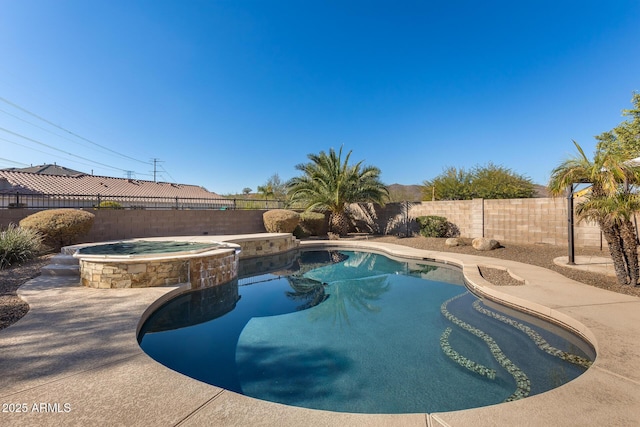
column 540, row 220
column 399, row 218
column 125, row 224
column 13, row 216
column 465, row 214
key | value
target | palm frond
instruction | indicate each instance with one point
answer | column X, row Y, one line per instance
column 329, row 183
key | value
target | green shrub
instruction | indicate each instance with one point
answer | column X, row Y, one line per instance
column 109, row 204
column 18, row 245
column 313, row 223
column 59, row 227
column 280, row 220
column 433, row 226
column 299, row 233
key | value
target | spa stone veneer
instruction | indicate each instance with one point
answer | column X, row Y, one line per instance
column 202, row 270
column 256, row 245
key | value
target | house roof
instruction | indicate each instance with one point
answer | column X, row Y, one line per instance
column 12, row 181
column 47, row 169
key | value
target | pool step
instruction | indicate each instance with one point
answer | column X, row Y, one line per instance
column 62, row 265
column 523, row 384
column 64, row 259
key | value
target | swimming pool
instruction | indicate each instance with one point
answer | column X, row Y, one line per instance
column 361, row 332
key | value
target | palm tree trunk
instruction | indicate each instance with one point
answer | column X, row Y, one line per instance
column 612, row 236
column 630, row 246
column 339, row 223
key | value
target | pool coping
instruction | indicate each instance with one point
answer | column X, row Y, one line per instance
column 98, row 372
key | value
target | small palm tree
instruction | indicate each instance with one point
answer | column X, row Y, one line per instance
column 614, row 214
column 610, row 204
column 329, row 184
column 605, row 173
column 266, row 191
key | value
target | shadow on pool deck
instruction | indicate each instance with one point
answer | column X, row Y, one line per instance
column 77, row 351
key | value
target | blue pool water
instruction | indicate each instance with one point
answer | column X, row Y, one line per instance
column 360, row 332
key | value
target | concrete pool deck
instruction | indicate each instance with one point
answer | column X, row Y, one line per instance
column 74, row 359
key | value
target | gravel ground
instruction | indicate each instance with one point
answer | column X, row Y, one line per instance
column 12, row 308
column 541, row 255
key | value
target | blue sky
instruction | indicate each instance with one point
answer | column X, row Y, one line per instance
column 226, row 94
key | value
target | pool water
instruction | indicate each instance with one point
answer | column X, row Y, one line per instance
column 145, row 247
column 361, row 332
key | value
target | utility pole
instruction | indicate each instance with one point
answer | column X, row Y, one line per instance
column 155, row 163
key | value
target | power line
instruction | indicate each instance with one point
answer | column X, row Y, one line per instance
column 44, row 152
column 63, row 129
column 14, row 162
column 50, row 131
column 58, row 156
column 172, row 178
column 57, row 149
column 62, row 157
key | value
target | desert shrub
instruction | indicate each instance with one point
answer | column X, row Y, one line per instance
column 59, row 227
column 434, row 226
column 18, row 245
column 313, row 223
column 300, row 233
column 280, row 220
column 109, row 204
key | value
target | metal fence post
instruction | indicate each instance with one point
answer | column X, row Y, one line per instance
column 571, row 256
column 406, row 216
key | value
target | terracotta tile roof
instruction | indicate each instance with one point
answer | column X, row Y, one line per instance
column 12, row 181
column 47, row 169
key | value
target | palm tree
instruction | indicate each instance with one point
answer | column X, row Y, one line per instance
column 329, row 184
column 614, row 216
column 610, row 204
column 348, row 295
column 266, row 191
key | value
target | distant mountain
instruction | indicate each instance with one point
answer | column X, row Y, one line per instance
column 401, row 193
column 541, row 191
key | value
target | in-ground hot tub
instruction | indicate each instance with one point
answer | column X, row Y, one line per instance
column 148, row 263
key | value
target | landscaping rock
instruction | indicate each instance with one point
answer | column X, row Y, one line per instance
column 454, row 241
column 485, row 244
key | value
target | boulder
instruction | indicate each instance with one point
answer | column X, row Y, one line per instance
column 454, row 241
column 485, row 244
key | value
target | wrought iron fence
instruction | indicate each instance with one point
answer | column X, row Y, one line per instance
column 97, row 201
